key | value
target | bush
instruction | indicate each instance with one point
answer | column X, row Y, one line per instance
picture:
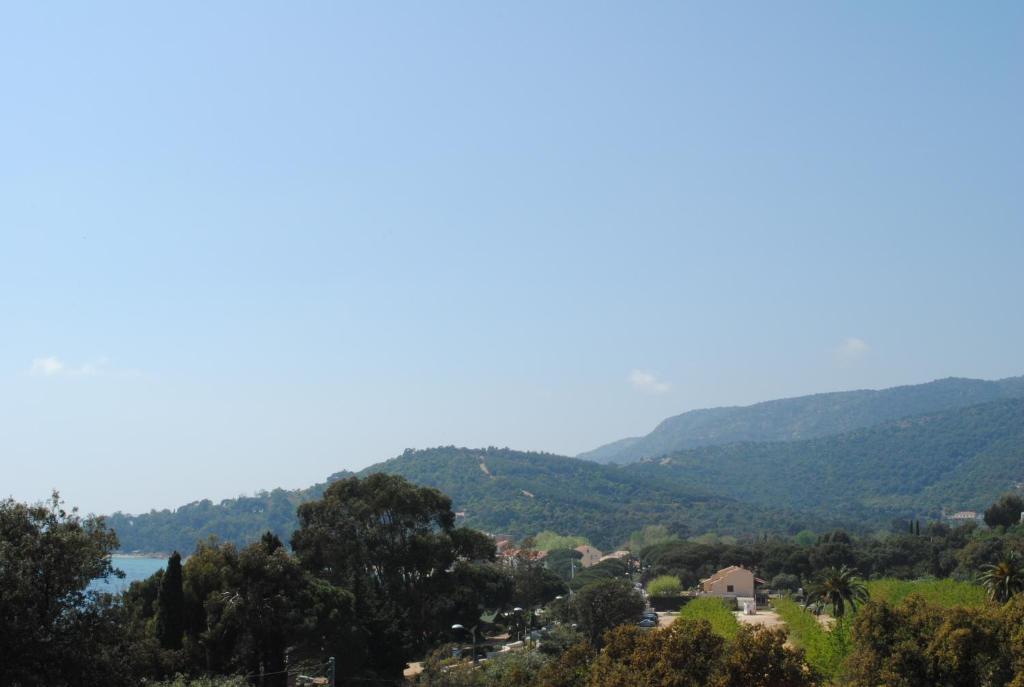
column 826, row 650
column 1005, row 512
column 605, row 604
column 713, row 610
column 222, row 681
column 665, row 585
column 945, row 592
column 785, row 582
column 559, row 639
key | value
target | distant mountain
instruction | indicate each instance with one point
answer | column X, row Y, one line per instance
column 954, row 459
column 610, row 452
column 519, row 493
column 240, row 520
column 948, row 459
column 804, row 417
column 497, row 490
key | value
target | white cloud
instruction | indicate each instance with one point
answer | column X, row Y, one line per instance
column 95, row 367
column 46, row 367
column 852, row 349
column 646, row 382
column 51, row 366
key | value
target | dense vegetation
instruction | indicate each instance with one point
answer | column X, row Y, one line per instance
column 953, row 460
column 789, row 562
column 804, row 417
column 241, row 521
column 50, row 626
column 499, row 490
column 379, row 574
column 916, row 467
column 665, row 585
column 687, row 654
column 946, row 593
column 519, row 493
column 717, row 613
column 381, row 570
column 826, row 649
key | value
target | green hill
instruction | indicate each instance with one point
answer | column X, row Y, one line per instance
column 804, row 417
column 960, row 458
column 242, row 520
column 955, row 459
column 499, row 490
column 519, row 493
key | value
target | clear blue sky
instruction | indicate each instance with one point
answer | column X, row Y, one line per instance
column 249, row 244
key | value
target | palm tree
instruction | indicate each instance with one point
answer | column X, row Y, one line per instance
column 840, row 587
column 1003, row 579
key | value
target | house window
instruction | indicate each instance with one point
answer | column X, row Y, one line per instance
column 728, row 588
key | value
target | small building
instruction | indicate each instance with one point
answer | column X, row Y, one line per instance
column 965, row 516
column 591, row 556
column 731, row 582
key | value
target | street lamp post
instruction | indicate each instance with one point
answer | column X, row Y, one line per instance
column 462, row 628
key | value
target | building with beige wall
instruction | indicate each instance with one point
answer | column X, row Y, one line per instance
column 733, row 581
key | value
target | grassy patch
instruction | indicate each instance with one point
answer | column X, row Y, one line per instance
column 946, row 593
column 825, row 649
column 715, row 611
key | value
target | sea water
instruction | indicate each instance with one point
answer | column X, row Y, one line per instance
column 135, row 568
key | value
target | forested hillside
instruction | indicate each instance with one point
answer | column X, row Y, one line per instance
column 499, row 490
column 519, row 493
column 917, row 466
column 242, row 520
column 804, row 417
column 956, row 459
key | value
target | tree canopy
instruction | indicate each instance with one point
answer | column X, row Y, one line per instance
column 52, row 629
column 396, row 547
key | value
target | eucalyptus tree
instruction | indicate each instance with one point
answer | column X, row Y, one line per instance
column 395, row 546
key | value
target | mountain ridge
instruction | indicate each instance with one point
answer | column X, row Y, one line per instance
column 804, row 417
column 861, row 479
column 956, row 459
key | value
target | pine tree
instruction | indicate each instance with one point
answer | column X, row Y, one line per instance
column 170, row 614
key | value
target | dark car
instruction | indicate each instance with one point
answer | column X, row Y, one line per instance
column 647, row 622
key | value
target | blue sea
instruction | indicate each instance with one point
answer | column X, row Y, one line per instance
column 135, row 568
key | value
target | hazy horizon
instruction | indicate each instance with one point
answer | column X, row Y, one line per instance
column 248, row 246
column 356, row 468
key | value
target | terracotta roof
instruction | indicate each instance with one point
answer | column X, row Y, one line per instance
column 722, row 573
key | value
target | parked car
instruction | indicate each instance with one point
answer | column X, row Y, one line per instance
column 647, row 622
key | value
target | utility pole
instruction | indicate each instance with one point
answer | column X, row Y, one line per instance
column 330, row 671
